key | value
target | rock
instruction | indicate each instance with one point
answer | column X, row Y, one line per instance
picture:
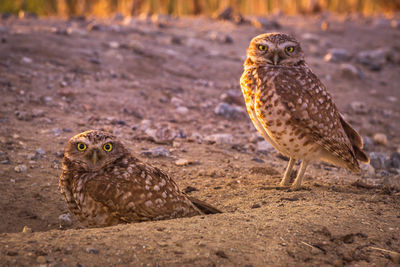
column 175, row 40
column 65, row 220
column 233, row 97
column 359, row 107
column 156, row 152
column 23, row 116
column 196, row 137
column 177, row 102
column 183, row 162
column 265, row 23
column 374, row 59
column 349, row 71
column 113, row 44
column 392, row 99
column 395, row 159
column 220, row 38
column 337, row 55
column 41, row 260
column 368, row 143
column 163, row 135
column 226, row 139
column 20, row 168
column 92, row 251
column 368, row 169
column 392, row 182
column 229, row 111
column 56, row 131
column 382, row 22
column 311, row 37
column 182, row 110
column 26, row 60
column 26, row 230
column 379, row 160
column 264, row 147
column 189, row 189
column 380, row 139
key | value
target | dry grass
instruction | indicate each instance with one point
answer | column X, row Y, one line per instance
column 105, row 8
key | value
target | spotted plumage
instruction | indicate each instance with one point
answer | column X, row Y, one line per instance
column 104, row 184
column 292, row 109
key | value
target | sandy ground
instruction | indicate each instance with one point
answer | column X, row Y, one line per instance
column 59, row 78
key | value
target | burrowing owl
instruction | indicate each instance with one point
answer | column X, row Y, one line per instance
column 292, row 109
column 104, row 184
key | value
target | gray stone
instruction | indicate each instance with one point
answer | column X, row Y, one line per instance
column 229, row 111
column 311, row 37
column 65, row 220
column 20, row 168
column 368, row 169
column 233, row 97
column 395, row 160
column 349, row 71
column 92, row 251
column 26, row 60
column 156, row 152
column 374, row 59
column 182, row 110
column 392, row 182
column 337, row 55
column 264, row 147
column 359, row 107
column 163, row 135
column 220, row 139
column 379, row 160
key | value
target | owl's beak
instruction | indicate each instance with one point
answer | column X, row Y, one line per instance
column 95, row 157
column 276, row 59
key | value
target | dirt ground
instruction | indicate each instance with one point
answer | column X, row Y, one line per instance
column 61, row 77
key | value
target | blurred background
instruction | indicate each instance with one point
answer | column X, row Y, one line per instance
column 105, row 8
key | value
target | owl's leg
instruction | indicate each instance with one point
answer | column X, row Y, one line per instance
column 286, row 177
column 297, row 183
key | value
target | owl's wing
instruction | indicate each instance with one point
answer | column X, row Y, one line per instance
column 139, row 192
column 314, row 112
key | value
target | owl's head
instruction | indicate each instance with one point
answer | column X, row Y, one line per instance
column 274, row 49
column 93, row 150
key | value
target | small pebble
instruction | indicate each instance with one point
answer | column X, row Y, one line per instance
column 92, row 251
column 182, row 110
column 65, row 220
column 26, row 230
column 183, row 162
column 349, row 71
column 380, row 139
column 220, row 139
column 41, row 260
column 20, row 168
column 337, row 55
column 156, row 152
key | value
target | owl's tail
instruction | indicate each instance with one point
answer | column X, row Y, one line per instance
column 203, row 206
column 356, row 141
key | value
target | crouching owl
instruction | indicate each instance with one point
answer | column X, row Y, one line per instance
column 104, row 184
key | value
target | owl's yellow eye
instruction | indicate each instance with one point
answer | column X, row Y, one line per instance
column 289, row 49
column 81, row 146
column 262, row 48
column 107, row 147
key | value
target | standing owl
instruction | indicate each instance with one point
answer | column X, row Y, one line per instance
column 104, row 184
column 292, row 109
